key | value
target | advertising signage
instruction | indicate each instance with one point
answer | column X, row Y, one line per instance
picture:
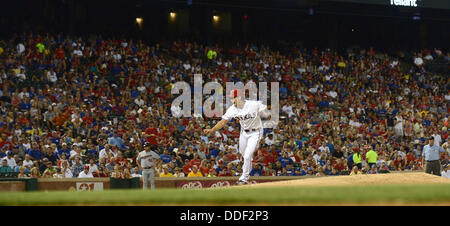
column 436, row 4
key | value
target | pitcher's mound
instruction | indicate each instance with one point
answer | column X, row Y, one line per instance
column 365, row 179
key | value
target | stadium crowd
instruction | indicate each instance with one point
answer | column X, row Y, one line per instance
column 84, row 107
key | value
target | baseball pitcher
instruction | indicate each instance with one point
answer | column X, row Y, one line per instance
column 146, row 161
column 249, row 114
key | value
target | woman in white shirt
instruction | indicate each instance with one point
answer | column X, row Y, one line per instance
column 65, row 170
column 27, row 162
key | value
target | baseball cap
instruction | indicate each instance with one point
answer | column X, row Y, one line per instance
column 235, row 93
column 86, row 167
column 431, row 138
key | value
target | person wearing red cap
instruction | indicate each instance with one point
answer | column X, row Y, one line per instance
column 249, row 114
column 85, row 173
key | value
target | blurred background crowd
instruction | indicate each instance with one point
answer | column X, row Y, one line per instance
column 85, row 106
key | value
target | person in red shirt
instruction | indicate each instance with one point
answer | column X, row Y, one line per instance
column 60, row 54
column 186, row 167
column 340, row 165
column 410, row 157
column 259, row 158
column 88, row 119
column 120, row 160
column 101, row 173
column 195, row 161
column 399, row 163
column 152, row 133
column 271, row 157
column 205, row 167
column 226, row 172
column 230, row 156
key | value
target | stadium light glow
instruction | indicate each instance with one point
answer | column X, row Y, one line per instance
column 139, row 20
column 216, row 18
column 172, row 15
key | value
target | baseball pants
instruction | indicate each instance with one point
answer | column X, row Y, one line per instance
column 433, row 167
column 148, row 174
column 248, row 142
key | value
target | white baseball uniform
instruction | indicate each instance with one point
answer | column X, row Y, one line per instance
column 251, row 131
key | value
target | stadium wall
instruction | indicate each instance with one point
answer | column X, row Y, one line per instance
column 82, row 184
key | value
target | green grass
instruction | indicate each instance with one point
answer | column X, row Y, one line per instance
column 403, row 194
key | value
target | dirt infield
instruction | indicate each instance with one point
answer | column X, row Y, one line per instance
column 366, row 179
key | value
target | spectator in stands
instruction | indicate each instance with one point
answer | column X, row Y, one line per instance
column 117, row 173
column 85, row 173
column 17, row 168
column 205, row 167
column 76, row 153
column 333, row 172
column 120, row 160
column 43, row 165
column 50, row 154
column 64, row 150
column 115, row 140
column 195, row 161
column 77, row 166
column 355, row 171
column 66, row 172
column 49, row 171
column 445, row 172
column 338, row 154
column 9, row 158
column 186, row 168
column 85, row 104
column 320, row 172
column 256, row 170
column 34, row 173
column 166, row 172
column 226, row 172
column 111, row 164
column 285, row 159
column 27, row 162
column 126, row 173
column 195, row 172
column 212, row 173
column 178, row 173
column 22, row 173
column 5, row 168
column 93, row 168
column 372, row 170
column 165, row 157
column 134, row 172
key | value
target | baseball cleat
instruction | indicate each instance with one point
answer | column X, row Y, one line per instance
column 241, row 182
